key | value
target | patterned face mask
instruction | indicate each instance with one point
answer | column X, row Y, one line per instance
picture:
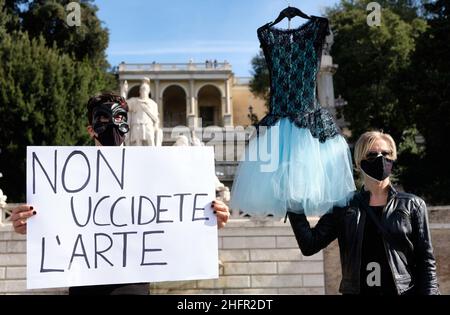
column 110, row 123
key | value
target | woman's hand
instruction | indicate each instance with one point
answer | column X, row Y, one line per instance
column 19, row 218
column 222, row 212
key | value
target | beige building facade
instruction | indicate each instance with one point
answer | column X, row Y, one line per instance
column 194, row 95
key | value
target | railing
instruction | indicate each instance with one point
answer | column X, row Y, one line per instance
column 210, row 66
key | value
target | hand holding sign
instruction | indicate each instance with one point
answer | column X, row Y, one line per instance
column 222, row 213
column 19, row 218
column 121, row 215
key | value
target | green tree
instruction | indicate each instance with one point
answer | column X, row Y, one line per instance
column 43, row 94
column 371, row 63
column 11, row 9
column 48, row 18
column 259, row 84
column 3, row 20
column 427, row 95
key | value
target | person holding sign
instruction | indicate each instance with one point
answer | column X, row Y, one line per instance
column 384, row 236
column 108, row 126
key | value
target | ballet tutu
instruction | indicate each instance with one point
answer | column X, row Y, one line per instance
column 285, row 169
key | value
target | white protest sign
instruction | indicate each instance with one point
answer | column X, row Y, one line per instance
column 120, row 215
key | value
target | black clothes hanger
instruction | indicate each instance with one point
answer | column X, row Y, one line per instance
column 289, row 12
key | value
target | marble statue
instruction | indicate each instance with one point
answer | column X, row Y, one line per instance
column 144, row 119
column 124, row 89
column 182, row 141
column 329, row 41
column 2, row 196
column 2, row 199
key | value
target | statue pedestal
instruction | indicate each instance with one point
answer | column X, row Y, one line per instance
column 227, row 120
column 325, row 86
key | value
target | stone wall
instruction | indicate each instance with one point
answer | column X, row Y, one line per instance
column 256, row 257
column 13, row 264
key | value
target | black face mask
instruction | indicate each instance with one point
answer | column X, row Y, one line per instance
column 110, row 131
column 379, row 168
column 111, row 137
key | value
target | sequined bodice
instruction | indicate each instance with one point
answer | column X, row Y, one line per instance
column 293, row 58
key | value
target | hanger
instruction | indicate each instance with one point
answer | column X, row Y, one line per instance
column 289, row 12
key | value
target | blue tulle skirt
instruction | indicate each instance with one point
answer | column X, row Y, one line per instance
column 286, row 168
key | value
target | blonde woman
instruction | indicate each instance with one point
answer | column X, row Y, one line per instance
column 384, row 237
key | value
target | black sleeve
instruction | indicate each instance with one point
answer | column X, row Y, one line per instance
column 423, row 250
column 312, row 240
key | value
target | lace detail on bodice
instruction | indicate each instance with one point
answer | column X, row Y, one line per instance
column 293, row 58
column 319, row 122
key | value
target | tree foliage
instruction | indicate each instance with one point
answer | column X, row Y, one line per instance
column 259, row 84
column 371, row 62
column 44, row 89
column 48, row 19
column 427, row 95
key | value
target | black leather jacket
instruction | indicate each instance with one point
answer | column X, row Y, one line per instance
column 404, row 218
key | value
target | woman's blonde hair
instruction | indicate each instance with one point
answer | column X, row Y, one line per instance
column 366, row 141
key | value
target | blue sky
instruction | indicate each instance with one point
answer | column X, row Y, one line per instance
column 175, row 31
